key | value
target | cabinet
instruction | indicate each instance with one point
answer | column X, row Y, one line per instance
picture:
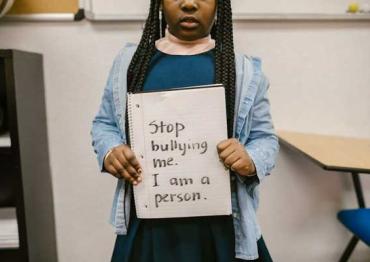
column 25, row 181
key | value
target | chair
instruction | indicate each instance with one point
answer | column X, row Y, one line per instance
column 356, row 221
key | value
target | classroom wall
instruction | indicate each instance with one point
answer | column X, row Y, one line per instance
column 319, row 74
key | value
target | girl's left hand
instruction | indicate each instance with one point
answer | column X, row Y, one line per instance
column 234, row 156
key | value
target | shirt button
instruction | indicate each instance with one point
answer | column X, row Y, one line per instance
column 232, row 178
column 235, row 215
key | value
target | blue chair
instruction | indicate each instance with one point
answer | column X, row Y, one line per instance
column 356, row 221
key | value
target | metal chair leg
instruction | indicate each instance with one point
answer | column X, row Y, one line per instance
column 350, row 247
column 358, row 190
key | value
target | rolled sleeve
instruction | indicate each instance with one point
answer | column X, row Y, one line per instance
column 262, row 143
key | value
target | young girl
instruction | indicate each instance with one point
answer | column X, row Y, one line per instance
column 191, row 43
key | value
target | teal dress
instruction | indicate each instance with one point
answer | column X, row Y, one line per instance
column 195, row 239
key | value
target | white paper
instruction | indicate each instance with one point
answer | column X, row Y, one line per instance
column 8, row 228
column 174, row 135
column 5, row 140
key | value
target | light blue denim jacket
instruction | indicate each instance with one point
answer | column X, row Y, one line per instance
column 252, row 127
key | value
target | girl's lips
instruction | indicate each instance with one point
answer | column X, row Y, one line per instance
column 189, row 22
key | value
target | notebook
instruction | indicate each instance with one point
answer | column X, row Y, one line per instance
column 174, row 135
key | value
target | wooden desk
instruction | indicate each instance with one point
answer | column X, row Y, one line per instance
column 334, row 153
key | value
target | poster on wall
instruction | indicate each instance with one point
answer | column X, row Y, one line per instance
column 47, row 10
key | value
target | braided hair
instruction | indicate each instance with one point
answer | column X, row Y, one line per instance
column 222, row 32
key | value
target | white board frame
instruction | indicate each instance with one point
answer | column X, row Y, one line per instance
column 92, row 13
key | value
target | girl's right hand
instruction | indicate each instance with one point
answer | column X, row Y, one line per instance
column 121, row 162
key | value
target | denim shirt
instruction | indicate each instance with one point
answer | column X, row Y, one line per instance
column 252, row 127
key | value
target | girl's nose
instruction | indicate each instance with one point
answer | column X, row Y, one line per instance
column 189, row 5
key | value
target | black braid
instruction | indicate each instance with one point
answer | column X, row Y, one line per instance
column 140, row 61
column 163, row 25
column 222, row 32
column 228, row 64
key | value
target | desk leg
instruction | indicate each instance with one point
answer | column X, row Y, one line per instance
column 358, row 189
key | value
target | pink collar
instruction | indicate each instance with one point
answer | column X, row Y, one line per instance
column 172, row 45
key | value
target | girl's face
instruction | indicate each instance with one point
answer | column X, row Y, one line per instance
column 189, row 19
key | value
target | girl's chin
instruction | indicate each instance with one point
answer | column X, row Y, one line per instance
column 188, row 35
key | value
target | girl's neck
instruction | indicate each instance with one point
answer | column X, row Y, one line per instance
column 172, row 45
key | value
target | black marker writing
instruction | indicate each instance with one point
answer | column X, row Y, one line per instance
column 181, row 181
column 161, row 127
column 155, row 180
column 205, row 180
column 183, row 148
column 176, row 197
column 162, row 162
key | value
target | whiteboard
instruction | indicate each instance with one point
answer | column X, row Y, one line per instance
column 290, row 6
column 121, row 9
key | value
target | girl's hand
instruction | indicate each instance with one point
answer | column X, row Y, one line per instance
column 121, row 162
column 234, row 156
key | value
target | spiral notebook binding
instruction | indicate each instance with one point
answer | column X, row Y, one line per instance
column 130, row 121
column 130, row 115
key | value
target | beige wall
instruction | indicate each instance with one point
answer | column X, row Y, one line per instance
column 320, row 82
